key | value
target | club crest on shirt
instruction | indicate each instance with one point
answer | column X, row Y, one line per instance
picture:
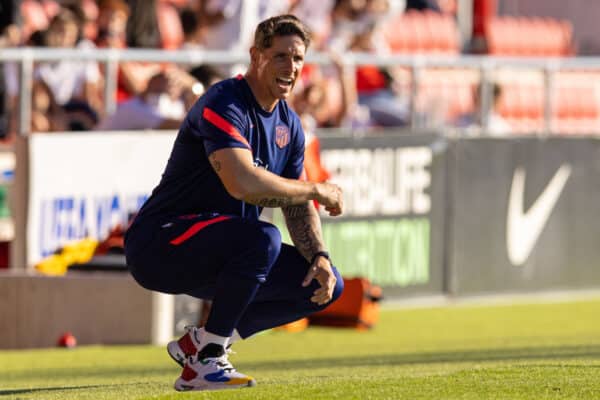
column 282, row 136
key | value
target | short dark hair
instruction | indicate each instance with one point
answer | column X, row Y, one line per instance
column 281, row 25
column 76, row 10
column 189, row 21
column 206, row 74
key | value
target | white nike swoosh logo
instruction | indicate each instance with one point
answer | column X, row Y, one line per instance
column 523, row 229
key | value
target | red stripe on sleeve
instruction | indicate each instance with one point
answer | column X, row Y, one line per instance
column 223, row 125
column 197, row 227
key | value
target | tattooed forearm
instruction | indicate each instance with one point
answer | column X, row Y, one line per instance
column 304, row 226
column 216, row 164
column 296, row 211
column 271, row 202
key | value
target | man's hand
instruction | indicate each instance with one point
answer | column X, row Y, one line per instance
column 322, row 272
column 330, row 196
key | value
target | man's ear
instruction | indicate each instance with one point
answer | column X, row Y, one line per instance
column 254, row 52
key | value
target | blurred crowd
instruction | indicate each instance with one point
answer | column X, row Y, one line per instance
column 67, row 95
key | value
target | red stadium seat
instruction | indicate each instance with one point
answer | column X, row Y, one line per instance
column 449, row 35
column 422, row 32
column 430, row 22
column 444, row 34
column 499, row 36
column 576, row 108
column 416, row 32
column 528, row 37
column 396, row 34
column 537, row 32
column 566, row 34
column 533, row 102
column 564, row 103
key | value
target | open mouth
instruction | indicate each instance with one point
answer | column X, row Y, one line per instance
column 285, row 82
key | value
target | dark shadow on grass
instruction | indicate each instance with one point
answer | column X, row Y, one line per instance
column 63, row 388
column 48, row 389
column 481, row 355
column 99, row 372
column 515, row 354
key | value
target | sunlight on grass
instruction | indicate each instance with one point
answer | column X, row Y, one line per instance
column 539, row 351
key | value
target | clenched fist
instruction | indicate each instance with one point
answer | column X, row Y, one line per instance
column 330, row 196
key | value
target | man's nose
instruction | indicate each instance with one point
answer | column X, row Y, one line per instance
column 289, row 65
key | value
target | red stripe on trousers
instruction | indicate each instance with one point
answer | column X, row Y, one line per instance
column 223, row 125
column 197, row 227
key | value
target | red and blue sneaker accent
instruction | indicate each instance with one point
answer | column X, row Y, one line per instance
column 186, row 346
column 211, row 370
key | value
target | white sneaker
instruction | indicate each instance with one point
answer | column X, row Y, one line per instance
column 186, row 346
column 211, row 373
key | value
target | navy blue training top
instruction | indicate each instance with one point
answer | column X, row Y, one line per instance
column 227, row 115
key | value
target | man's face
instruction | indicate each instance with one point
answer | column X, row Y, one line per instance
column 280, row 65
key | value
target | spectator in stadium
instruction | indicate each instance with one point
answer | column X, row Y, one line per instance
column 91, row 12
column 142, row 24
column 305, row 103
column 112, row 23
column 191, row 29
column 239, row 149
column 317, row 15
column 308, row 100
column 325, row 82
column 46, row 114
column 496, row 124
column 206, row 74
column 33, row 18
column 9, row 32
column 311, row 99
column 10, row 36
column 79, row 116
column 228, row 24
column 352, row 114
column 161, row 105
column 11, row 80
column 387, row 106
column 347, row 18
column 114, row 31
column 69, row 79
column 86, row 11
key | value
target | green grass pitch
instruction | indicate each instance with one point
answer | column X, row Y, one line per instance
column 523, row 351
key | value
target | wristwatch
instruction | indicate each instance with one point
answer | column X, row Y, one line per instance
column 320, row 254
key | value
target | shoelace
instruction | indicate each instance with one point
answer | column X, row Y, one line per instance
column 223, row 362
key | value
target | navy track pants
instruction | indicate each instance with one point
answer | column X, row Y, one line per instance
column 253, row 279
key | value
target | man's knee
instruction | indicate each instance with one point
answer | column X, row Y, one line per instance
column 268, row 245
column 272, row 238
column 339, row 286
column 337, row 290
